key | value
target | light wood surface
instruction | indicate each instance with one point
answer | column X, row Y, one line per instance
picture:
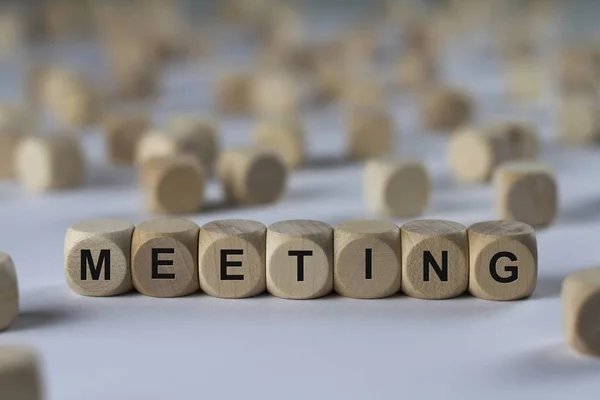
column 173, row 184
column 395, row 188
column 502, row 260
column 196, row 136
column 252, row 175
column 416, row 71
column 366, row 259
column 362, row 92
column 164, row 257
column 50, row 163
column 526, row 192
column 231, row 258
column 446, row 109
column 579, row 120
column 123, row 133
column 581, row 310
column 370, row 133
column 284, row 136
column 9, row 292
column 233, row 93
column 522, row 136
column 299, row 259
column 435, row 259
column 20, row 373
column 525, row 79
column 15, row 123
column 98, row 257
column 276, row 93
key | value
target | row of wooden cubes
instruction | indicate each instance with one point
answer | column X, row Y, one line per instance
column 302, row 259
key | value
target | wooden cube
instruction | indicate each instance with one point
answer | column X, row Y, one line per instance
column 9, row 292
column 234, row 93
column 15, row 123
column 98, row 257
column 522, row 137
column 276, row 94
column 299, row 259
column 474, row 154
column 284, row 136
column 252, row 175
column 173, row 184
column 395, row 188
column 366, row 259
column 50, row 163
column 525, row 79
column 360, row 92
column 581, row 310
column 231, row 258
column 446, row 109
column 502, row 260
column 435, row 259
column 8, row 145
column 526, row 192
column 123, row 133
column 370, row 133
column 20, row 373
column 577, row 72
column 579, row 120
column 164, row 257
column 416, row 71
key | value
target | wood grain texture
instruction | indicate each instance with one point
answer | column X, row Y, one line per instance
column 50, row 163
column 502, row 260
column 285, row 277
column 446, row 109
column 579, row 120
column 101, row 248
column 123, row 133
column 20, row 373
column 435, row 259
column 172, row 246
column 284, row 136
column 526, row 192
column 370, row 133
column 581, row 310
column 9, row 292
column 252, row 175
column 173, row 184
column 385, row 183
column 240, row 244
column 367, row 259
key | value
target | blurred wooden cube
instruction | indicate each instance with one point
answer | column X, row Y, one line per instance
column 123, row 133
column 370, row 133
column 581, row 307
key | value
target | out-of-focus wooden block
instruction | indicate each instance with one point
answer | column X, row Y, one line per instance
column 370, row 133
column 578, row 72
column 15, row 123
column 234, row 93
column 276, row 93
column 581, row 310
column 474, row 154
column 329, row 78
column 98, row 256
column 12, row 31
column 9, row 292
column 20, row 373
column 123, row 133
column 526, row 192
column 416, row 71
column 285, row 136
column 50, row 163
column 252, row 175
column 522, row 136
column 359, row 92
column 173, row 184
column 525, row 79
column 367, row 259
column 164, row 257
column 435, row 259
column 299, row 259
column 502, row 260
column 231, row 258
column 395, row 188
column 579, row 120
column 446, row 109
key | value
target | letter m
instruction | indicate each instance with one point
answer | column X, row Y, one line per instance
column 95, row 270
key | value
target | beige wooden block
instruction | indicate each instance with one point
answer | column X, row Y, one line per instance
column 196, row 136
column 50, row 163
column 581, row 310
column 579, row 120
column 522, row 136
column 231, row 258
column 20, row 373
column 474, row 154
column 9, row 292
column 360, row 92
column 577, row 72
column 395, row 188
column 173, row 184
column 502, row 260
column 98, row 256
column 284, row 136
column 328, row 80
column 8, row 145
column 252, row 175
column 435, row 259
column 164, row 257
column 526, row 192
column 276, row 93
column 123, row 133
column 416, row 71
column 525, row 79
column 234, row 93
column 366, row 259
column 299, row 259
column 446, row 109
column 15, row 123
column 370, row 133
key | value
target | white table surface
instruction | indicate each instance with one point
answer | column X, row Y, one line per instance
column 134, row 347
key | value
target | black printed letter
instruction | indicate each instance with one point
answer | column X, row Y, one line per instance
column 300, row 254
column 103, row 260
column 156, row 263
column 428, row 261
column 514, row 270
column 226, row 263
